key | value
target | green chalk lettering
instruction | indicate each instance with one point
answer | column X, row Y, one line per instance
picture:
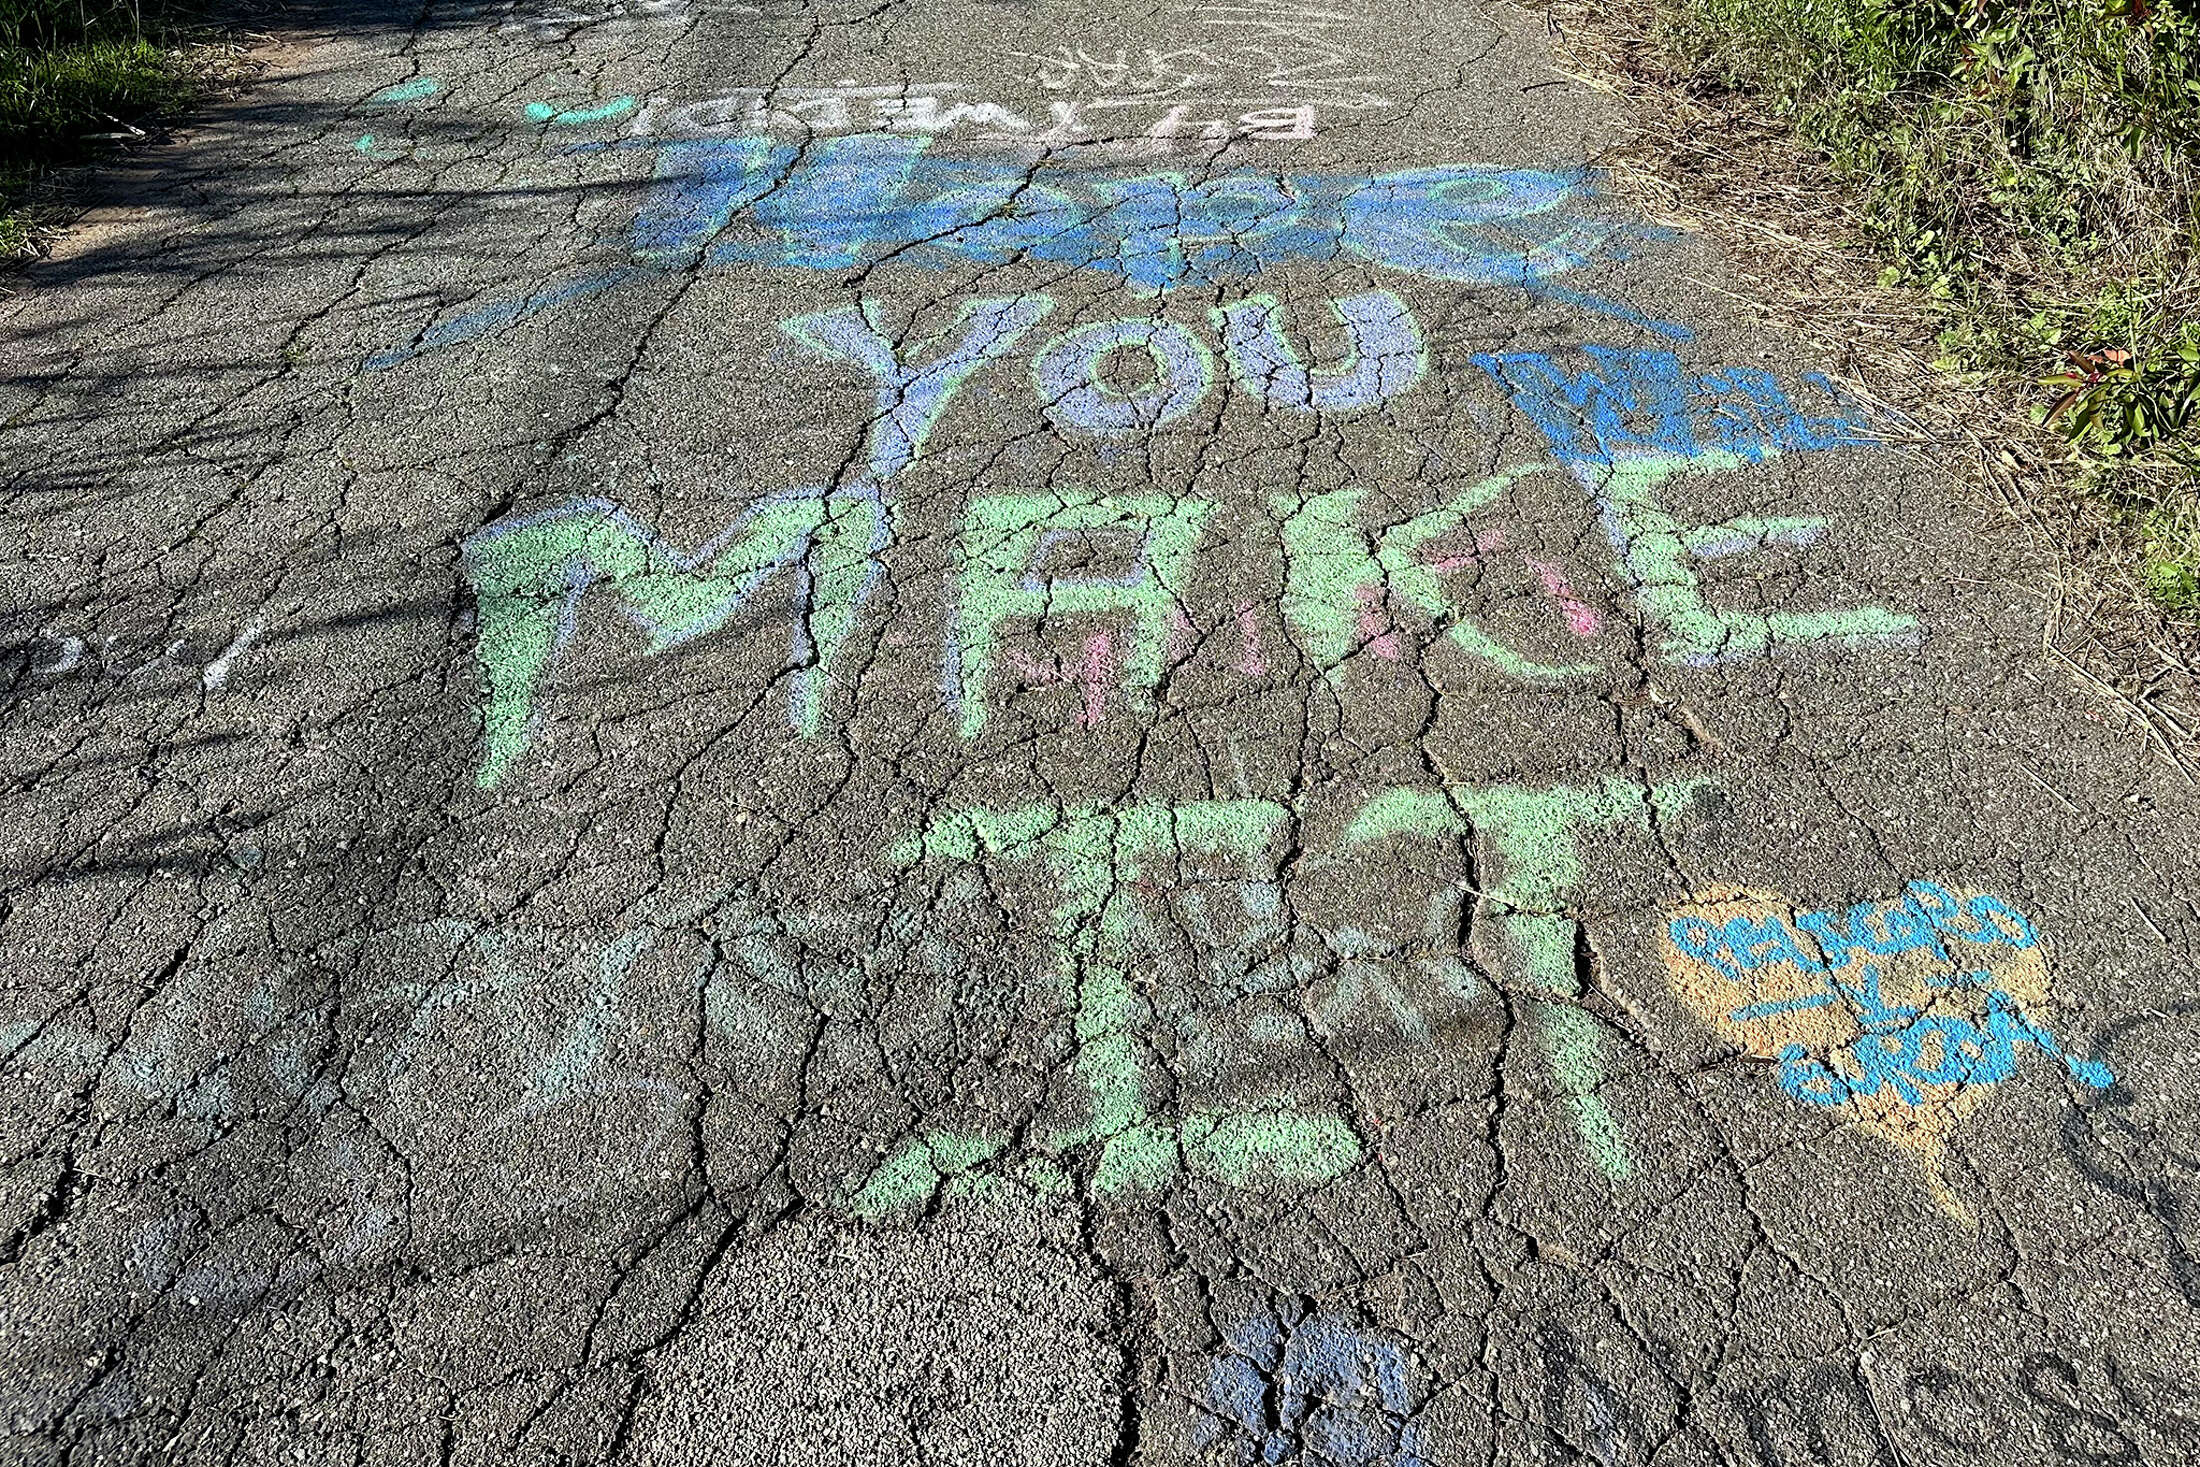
column 1092, row 853
column 1530, row 838
column 1243, row 1148
column 1330, row 559
column 529, row 574
column 1576, row 1049
column 1006, row 539
column 1427, row 814
column 911, row 1176
column 1326, row 562
column 1656, row 548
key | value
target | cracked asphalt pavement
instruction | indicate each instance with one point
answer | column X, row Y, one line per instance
column 1034, row 732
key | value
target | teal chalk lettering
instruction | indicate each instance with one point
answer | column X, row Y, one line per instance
column 912, row 394
column 419, row 89
column 550, row 113
column 530, row 573
column 1386, row 356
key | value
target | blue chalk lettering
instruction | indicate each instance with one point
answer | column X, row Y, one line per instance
column 1940, row 907
column 717, row 180
column 1832, row 941
column 1704, row 942
column 1907, row 929
column 1628, row 401
column 1633, row 403
column 1386, row 356
column 1873, row 1012
column 1067, row 375
column 2090, row 1072
column 1807, row 1079
column 1761, row 944
column 1990, row 913
column 1773, row 1008
column 1967, row 1056
column 913, row 394
column 504, row 313
column 1311, row 1389
column 861, row 198
column 1879, row 1060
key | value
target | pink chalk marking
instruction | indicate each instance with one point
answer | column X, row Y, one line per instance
column 1255, row 662
column 1036, row 674
column 1484, row 542
column 1372, row 622
column 1099, row 667
column 1581, row 618
column 1181, row 633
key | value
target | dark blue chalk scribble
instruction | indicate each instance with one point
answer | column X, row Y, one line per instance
column 1545, row 290
column 1641, row 402
column 1312, row 1390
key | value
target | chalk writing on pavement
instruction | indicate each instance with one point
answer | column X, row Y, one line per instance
column 1901, row 1012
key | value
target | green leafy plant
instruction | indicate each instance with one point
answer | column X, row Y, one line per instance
column 2122, row 404
column 72, row 79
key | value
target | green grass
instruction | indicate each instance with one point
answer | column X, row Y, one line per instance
column 2031, row 164
column 70, row 73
